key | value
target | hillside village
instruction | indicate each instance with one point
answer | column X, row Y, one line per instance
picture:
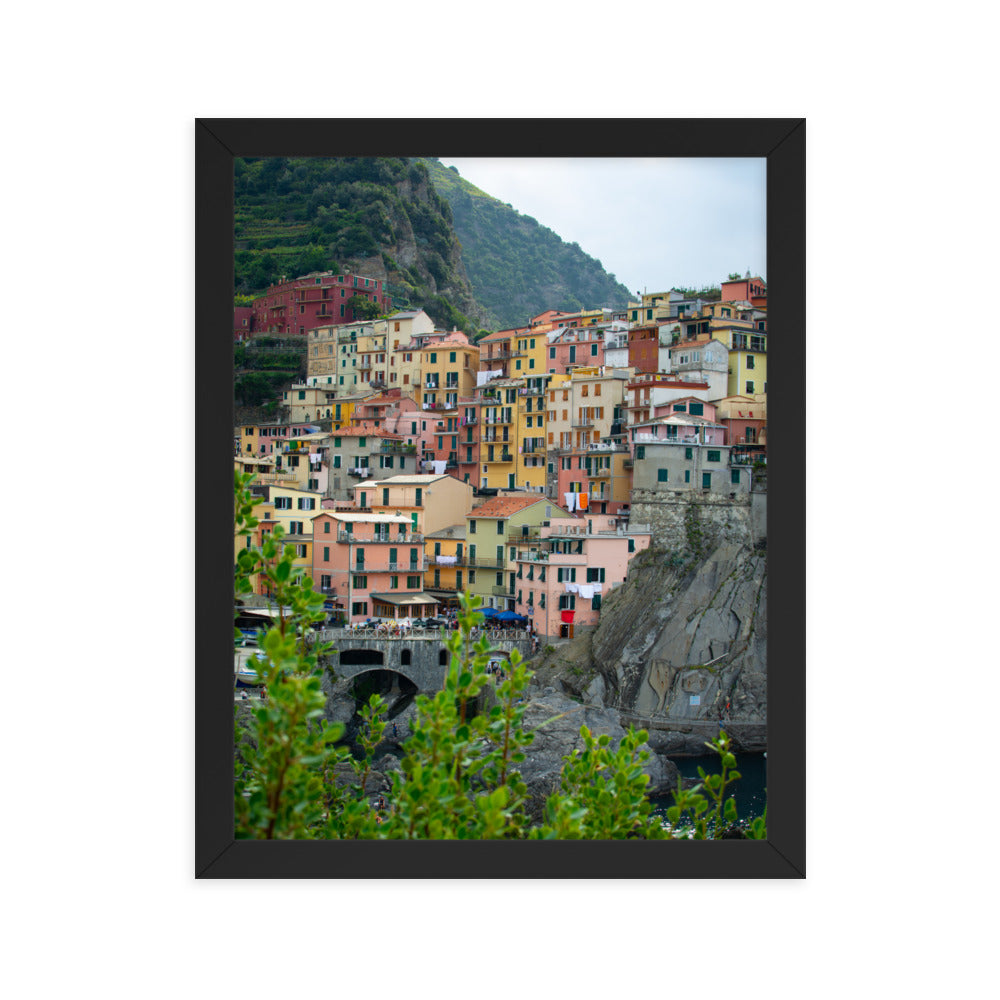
column 412, row 463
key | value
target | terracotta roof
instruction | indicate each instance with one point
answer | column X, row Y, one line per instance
column 500, row 507
column 499, row 335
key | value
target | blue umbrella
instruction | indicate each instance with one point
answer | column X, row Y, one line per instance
column 489, row 612
column 509, row 616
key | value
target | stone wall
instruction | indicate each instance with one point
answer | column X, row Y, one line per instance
column 691, row 521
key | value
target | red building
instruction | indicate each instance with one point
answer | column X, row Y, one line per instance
column 318, row 299
column 644, row 348
column 242, row 322
column 752, row 290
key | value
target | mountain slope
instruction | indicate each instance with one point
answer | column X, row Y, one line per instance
column 517, row 267
column 380, row 217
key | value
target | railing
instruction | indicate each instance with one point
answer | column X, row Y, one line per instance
column 585, row 422
column 501, row 590
column 743, row 458
column 516, row 536
column 398, row 448
column 482, row 562
column 411, row 538
column 390, row 631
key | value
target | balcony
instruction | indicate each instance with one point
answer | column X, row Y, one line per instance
column 582, row 422
column 364, row 366
column 411, row 538
column 482, row 562
column 515, row 536
column 430, row 384
column 628, row 463
column 500, row 590
column 398, row 448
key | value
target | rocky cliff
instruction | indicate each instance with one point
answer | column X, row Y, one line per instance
column 681, row 646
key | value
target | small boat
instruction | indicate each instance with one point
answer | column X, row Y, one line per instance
column 246, row 676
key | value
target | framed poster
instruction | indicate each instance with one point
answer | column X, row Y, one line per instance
column 220, row 143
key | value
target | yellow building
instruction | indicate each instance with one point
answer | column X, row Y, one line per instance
column 431, row 502
column 446, row 575
column 448, row 369
column 494, row 529
column 529, row 352
column 404, row 370
column 294, row 509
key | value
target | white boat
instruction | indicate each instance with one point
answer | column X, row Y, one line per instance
column 246, row 676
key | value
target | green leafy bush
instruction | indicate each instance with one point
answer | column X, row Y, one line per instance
column 459, row 775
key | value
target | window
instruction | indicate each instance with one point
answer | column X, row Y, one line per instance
column 358, row 607
column 302, row 394
column 697, row 409
column 326, row 553
column 687, row 475
column 472, row 527
column 412, row 582
column 282, row 503
column 689, row 452
column 750, row 388
column 661, row 475
column 749, row 361
column 734, row 477
column 451, row 357
column 552, row 352
column 393, row 582
column 713, row 456
column 434, row 359
column 640, row 451
column 326, row 527
column 499, row 527
column 360, row 582
column 593, row 350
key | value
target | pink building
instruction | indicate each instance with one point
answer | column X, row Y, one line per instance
column 563, row 576
column 292, row 308
column 370, row 565
column 574, row 347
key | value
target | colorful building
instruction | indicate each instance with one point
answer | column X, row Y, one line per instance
column 431, row 502
column 369, row 564
column 571, row 347
column 448, row 369
column 566, row 569
column 292, row 308
column 493, row 532
column 445, row 576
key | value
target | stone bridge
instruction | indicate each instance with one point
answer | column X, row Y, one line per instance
column 421, row 657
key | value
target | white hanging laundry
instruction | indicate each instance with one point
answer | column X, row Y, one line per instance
column 586, row 590
column 598, row 587
column 570, row 501
column 446, row 560
column 439, row 468
column 572, row 588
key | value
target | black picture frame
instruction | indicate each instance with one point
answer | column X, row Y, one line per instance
column 782, row 142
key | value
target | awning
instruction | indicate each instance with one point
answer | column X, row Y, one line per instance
column 403, row 599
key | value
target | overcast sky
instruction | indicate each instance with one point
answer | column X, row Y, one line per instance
column 652, row 223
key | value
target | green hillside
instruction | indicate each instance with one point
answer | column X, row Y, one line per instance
column 380, row 217
column 517, row 267
column 443, row 245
